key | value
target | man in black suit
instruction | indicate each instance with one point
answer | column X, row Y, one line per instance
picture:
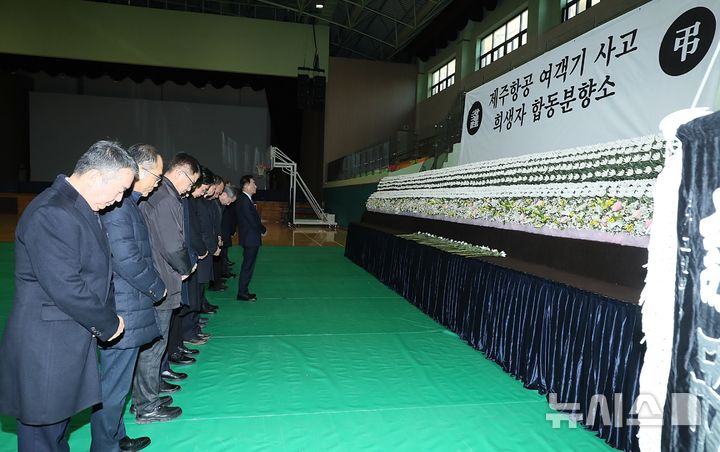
column 190, row 318
column 63, row 300
column 250, row 230
column 227, row 226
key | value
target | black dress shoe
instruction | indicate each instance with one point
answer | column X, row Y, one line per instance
column 188, row 351
column 168, row 388
column 213, row 306
column 217, row 288
column 130, row 444
column 202, row 322
column 202, row 335
column 172, row 375
column 164, row 401
column 208, row 310
column 247, row 297
column 179, row 358
column 159, row 414
column 196, row 341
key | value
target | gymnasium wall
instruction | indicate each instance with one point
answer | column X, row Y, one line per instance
column 83, row 30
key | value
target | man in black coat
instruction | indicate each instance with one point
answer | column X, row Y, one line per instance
column 206, row 214
column 63, row 300
column 163, row 213
column 177, row 353
column 137, row 288
column 190, row 319
column 250, row 230
column 215, row 210
column 228, row 226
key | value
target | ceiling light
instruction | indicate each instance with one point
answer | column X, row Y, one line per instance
column 319, row 5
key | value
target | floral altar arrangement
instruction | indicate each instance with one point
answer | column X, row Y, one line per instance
column 601, row 192
column 453, row 246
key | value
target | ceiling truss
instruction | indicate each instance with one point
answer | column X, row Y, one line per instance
column 369, row 29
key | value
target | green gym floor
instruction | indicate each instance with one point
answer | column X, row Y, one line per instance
column 330, row 359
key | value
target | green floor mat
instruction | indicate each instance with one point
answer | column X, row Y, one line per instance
column 330, row 359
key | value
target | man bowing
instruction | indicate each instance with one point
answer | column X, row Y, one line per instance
column 63, row 300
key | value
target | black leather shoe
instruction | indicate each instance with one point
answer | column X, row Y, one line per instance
column 164, row 401
column 202, row 335
column 160, row 414
column 196, row 341
column 188, row 351
column 213, row 306
column 130, row 444
column 202, row 322
column 248, row 297
column 208, row 311
column 168, row 388
column 179, row 358
column 172, row 375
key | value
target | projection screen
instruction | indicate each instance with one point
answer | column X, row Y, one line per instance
column 228, row 139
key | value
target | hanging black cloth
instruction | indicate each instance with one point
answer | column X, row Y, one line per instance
column 696, row 341
column 557, row 339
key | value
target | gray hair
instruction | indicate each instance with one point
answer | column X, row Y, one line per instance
column 231, row 191
column 145, row 155
column 106, row 157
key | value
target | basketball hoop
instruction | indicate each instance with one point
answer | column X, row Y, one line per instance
column 261, row 169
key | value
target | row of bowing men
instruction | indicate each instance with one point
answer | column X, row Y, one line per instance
column 119, row 254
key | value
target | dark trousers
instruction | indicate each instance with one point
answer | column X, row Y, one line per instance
column 248, row 266
column 224, row 266
column 190, row 319
column 189, row 326
column 218, row 269
column 194, row 293
column 106, row 422
column 203, row 299
column 146, row 383
column 174, row 336
column 43, row 438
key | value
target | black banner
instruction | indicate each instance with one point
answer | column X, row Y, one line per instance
column 695, row 372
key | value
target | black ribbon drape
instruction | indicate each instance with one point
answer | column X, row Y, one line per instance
column 696, row 343
column 555, row 338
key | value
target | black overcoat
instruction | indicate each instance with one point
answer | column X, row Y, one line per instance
column 63, row 302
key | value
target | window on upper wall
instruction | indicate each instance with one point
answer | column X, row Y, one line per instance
column 443, row 77
column 504, row 40
column 574, row 7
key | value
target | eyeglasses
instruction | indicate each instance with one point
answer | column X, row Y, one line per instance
column 192, row 182
column 153, row 174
